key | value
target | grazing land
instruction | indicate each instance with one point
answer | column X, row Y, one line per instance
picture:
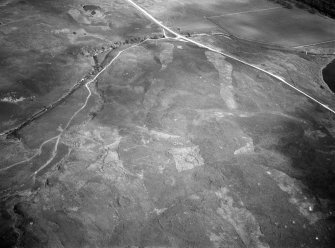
column 47, row 45
column 144, row 124
column 190, row 16
column 280, row 26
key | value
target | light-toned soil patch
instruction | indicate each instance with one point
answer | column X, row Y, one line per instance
column 166, row 55
column 187, row 158
column 225, row 74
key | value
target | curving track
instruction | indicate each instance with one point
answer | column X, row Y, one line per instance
column 58, row 137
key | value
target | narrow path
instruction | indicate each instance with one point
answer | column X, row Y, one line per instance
column 44, row 110
column 178, row 36
column 58, row 137
column 39, row 151
column 14, row 130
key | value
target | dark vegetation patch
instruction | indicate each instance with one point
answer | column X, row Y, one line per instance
column 8, row 234
column 8, row 237
column 310, row 154
column 326, row 7
column 329, row 75
column 50, row 6
column 7, row 109
column 91, row 7
column 284, row 3
column 47, row 72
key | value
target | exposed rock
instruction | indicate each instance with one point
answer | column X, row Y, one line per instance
column 187, row 158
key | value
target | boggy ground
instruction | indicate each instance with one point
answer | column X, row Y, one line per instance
column 179, row 147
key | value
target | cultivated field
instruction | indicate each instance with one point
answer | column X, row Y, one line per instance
column 286, row 27
column 190, row 15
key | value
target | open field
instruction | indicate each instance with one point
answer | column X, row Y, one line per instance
column 190, row 15
column 47, row 47
column 185, row 132
column 211, row 7
column 285, row 27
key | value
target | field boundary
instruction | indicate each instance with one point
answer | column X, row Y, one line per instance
column 241, row 38
column 242, row 12
column 213, row 19
column 183, row 38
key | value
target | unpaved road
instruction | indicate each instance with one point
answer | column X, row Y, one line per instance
column 58, row 137
column 179, row 36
